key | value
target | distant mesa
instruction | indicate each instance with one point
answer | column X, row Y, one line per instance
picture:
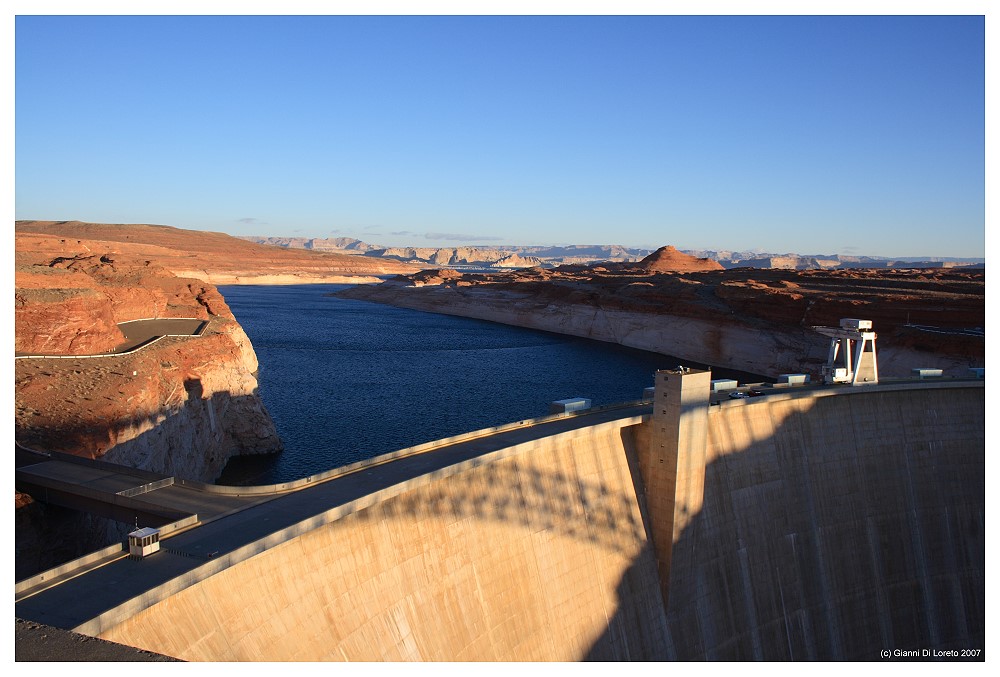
column 669, row 260
column 329, row 244
column 513, row 260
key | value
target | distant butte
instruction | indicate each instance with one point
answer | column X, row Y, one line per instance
column 670, row 260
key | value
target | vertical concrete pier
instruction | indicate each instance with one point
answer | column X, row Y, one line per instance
column 673, row 466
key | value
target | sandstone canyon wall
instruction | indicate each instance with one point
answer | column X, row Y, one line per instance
column 747, row 320
column 181, row 406
column 710, row 341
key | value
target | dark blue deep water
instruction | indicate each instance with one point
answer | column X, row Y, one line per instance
column 346, row 380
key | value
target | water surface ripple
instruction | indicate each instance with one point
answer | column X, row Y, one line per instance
column 346, row 380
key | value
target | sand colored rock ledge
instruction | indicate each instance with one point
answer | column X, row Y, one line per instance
column 252, row 278
column 745, row 319
column 181, row 407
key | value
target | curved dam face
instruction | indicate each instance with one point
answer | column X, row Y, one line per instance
column 523, row 557
column 797, row 525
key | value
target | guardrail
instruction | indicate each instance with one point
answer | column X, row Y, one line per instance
column 39, row 582
column 401, row 453
column 788, row 392
column 146, row 488
column 111, row 553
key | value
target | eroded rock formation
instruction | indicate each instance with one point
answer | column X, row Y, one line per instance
column 500, row 257
column 590, row 254
column 181, row 406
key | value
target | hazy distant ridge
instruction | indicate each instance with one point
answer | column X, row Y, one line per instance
column 512, row 256
column 550, row 256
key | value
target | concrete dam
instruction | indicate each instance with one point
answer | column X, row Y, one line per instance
column 821, row 523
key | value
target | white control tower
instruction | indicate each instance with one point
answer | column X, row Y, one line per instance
column 852, row 353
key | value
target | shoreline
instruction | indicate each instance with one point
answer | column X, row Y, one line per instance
column 276, row 279
column 726, row 342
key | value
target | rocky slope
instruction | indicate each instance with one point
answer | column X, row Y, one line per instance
column 669, row 260
column 215, row 258
column 181, row 406
column 751, row 320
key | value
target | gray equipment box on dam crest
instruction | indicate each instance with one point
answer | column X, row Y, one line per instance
column 569, row 404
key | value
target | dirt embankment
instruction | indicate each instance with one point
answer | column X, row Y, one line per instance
column 748, row 319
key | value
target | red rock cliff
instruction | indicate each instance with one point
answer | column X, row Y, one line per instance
column 181, row 406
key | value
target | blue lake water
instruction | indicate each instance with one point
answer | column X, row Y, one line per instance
column 346, row 380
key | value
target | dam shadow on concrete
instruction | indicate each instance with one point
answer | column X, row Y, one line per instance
column 540, row 501
column 650, row 642
column 526, row 493
column 856, row 527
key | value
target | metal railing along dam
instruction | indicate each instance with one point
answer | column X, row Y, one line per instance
column 828, row 523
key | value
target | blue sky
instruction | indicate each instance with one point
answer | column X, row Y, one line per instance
column 807, row 134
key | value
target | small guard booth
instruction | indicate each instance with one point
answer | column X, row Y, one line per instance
column 143, row 542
